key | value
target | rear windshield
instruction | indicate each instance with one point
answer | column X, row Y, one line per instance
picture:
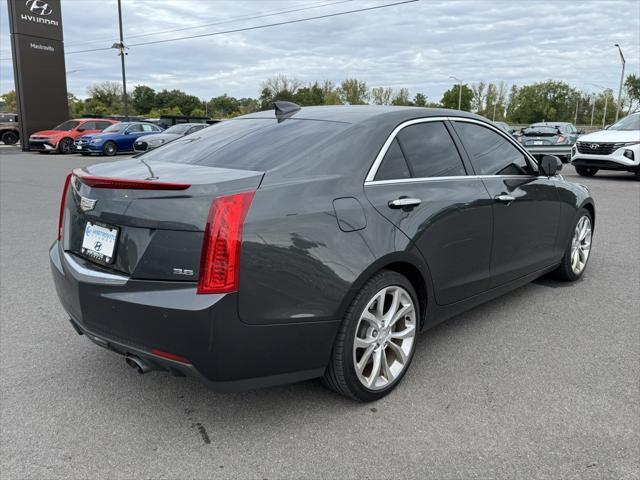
column 248, row 144
column 540, row 129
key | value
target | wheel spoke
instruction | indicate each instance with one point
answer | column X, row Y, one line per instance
column 402, row 357
column 385, row 367
column 380, row 304
column 363, row 342
column 405, row 310
column 406, row 333
column 395, row 300
column 574, row 259
column 375, row 369
column 371, row 318
column 364, row 360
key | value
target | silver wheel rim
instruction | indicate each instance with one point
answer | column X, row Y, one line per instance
column 385, row 335
column 581, row 245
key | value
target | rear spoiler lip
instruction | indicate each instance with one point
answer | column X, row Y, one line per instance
column 126, row 183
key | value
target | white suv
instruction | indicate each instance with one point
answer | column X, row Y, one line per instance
column 617, row 148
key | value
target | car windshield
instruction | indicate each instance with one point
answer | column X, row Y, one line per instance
column 248, row 144
column 178, row 129
column 632, row 122
column 116, row 127
column 68, row 125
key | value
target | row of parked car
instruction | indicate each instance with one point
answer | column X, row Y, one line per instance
column 107, row 137
column 617, row 147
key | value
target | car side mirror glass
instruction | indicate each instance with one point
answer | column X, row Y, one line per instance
column 550, row 165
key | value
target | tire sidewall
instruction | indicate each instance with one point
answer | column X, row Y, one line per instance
column 387, row 279
column 105, row 149
column 13, row 138
column 567, row 255
column 64, row 141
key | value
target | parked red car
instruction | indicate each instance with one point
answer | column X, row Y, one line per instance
column 61, row 138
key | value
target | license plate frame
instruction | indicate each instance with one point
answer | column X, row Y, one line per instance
column 106, row 235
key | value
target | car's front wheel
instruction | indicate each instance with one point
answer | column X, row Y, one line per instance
column 66, row 146
column 110, row 149
column 586, row 171
column 576, row 255
column 9, row 138
column 377, row 338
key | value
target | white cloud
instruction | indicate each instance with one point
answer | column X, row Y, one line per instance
column 416, row 45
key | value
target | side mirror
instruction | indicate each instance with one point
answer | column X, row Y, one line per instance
column 82, row 129
column 550, row 165
column 606, row 127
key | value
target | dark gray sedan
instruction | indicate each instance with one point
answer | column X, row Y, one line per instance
column 170, row 134
column 553, row 138
column 313, row 242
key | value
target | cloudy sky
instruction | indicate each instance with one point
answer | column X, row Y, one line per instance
column 415, row 45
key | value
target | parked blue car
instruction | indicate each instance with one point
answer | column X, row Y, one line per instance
column 118, row 138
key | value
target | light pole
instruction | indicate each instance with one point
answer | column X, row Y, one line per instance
column 494, row 111
column 593, row 107
column 121, row 47
column 459, row 91
column 575, row 118
column 621, row 80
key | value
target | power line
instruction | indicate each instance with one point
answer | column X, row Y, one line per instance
column 256, row 27
column 288, row 22
column 230, row 20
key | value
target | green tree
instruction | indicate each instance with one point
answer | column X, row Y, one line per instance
column 9, row 100
column 381, row 95
column 450, row 98
column 223, row 106
column 276, row 88
column 544, row 101
column 76, row 105
column 143, row 99
column 401, row 98
column 420, row 100
column 105, row 98
column 310, row 95
column 353, row 91
column 632, row 93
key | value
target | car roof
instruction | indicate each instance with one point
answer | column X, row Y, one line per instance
column 549, row 124
column 362, row 113
column 93, row 119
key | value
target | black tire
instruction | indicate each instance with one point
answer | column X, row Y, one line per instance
column 565, row 158
column 637, row 175
column 65, row 146
column 85, row 154
column 586, row 171
column 564, row 272
column 110, row 149
column 9, row 138
column 340, row 374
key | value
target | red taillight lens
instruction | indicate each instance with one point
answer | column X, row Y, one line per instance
column 561, row 139
column 220, row 259
column 125, row 183
column 63, row 202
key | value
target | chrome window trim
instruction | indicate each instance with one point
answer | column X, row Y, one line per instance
column 440, row 179
column 371, row 175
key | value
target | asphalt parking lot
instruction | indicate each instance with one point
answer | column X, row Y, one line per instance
column 541, row 383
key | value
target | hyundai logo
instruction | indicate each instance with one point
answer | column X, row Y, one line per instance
column 39, row 7
column 97, row 246
column 593, row 146
column 87, row 204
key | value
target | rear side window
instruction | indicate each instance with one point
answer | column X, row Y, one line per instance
column 393, row 165
column 249, row 144
column 102, row 125
column 430, row 151
column 493, row 154
column 136, row 127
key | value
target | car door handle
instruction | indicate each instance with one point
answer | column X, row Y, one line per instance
column 505, row 198
column 404, row 202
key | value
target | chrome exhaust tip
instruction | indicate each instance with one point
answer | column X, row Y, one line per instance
column 138, row 364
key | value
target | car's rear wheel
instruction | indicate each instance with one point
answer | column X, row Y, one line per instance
column 576, row 256
column 9, row 138
column 586, row 171
column 377, row 338
column 109, row 149
column 65, row 145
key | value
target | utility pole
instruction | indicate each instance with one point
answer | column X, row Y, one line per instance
column 593, row 107
column 606, row 100
column 494, row 111
column 121, row 47
column 459, row 91
column 621, row 80
column 575, row 118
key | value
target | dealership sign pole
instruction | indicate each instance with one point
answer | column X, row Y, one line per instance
column 38, row 65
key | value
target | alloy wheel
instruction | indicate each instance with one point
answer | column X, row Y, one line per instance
column 385, row 337
column 581, row 245
column 66, row 146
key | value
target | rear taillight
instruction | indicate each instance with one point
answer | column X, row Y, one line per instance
column 63, row 202
column 171, row 356
column 220, row 259
column 126, row 183
column 561, row 139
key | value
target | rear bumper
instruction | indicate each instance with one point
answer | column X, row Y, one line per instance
column 558, row 150
column 134, row 317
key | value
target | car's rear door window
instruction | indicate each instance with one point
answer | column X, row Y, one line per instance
column 430, row 151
